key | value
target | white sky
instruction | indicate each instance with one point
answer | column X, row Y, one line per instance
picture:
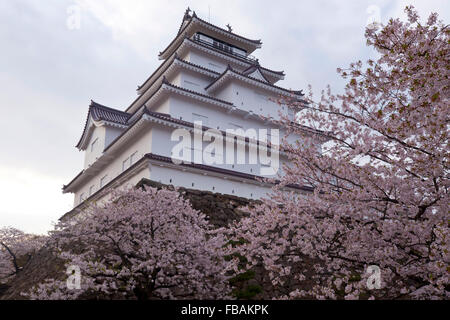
column 49, row 72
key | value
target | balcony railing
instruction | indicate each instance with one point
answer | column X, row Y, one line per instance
column 222, row 47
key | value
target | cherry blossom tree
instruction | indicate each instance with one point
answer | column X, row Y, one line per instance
column 141, row 244
column 16, row 250
column 380, row 183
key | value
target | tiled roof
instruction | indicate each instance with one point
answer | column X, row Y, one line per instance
column 257, row 42
column 176, row 58
column 155, row 157
column 196, row 93
column 100, row 112
column 280, row 73
column 193, row 18
column 254, row 68
column 230, row 69
column 103, row 113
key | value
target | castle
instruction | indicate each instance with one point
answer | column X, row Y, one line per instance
column 208, row 87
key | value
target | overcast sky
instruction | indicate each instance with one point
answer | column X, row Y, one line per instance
column 57, row 55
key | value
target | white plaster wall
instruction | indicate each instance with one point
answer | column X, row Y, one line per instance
column 162, row 107
column 175, row 79
column 90, row 156
column 162, row 145
column 211, row 183
column 250, row 98
column 141, row 144
column 130, row 182
column 111, row 133
column 218, row 118
column 209, row 61
column 194, row 81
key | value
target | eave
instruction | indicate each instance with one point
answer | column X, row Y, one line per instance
column 145, row 117
column 279, row 75
column 152, row 84
column 170, row 62
column 116, row 118
column 164, row 161
column 271, row 75
column 196, row 24
column 230, row 73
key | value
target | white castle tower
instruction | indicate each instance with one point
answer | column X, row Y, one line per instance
column 207, row 74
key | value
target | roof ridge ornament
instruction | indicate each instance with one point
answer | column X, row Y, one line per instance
column 164, row 80
column 187, row 14
column 194, row 15
column 230, row 29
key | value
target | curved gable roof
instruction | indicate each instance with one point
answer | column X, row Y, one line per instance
column 230, row 71
column 99, row 112
column 189, row 20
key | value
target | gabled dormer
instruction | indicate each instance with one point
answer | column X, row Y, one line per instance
column 103, row 125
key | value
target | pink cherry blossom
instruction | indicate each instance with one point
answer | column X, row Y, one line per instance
column 141, row 244
column 381, row 183
column 16, row 250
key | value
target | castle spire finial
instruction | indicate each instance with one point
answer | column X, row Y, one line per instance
column 187, row 13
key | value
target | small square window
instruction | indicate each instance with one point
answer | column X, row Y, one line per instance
column 103, row 181
column 133, row 158
column 125, row 164
column 94, row 144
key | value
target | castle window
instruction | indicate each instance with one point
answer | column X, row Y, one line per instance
column 200, row 117
column 103, row 181
column 191, row 83
column 170, row 181
column 91, row 190
column 214, row 188
column 94, row 144
column 133, row 158
column 234, row 126
column 82, row 197
column 214, row 66
column 125, row 164
column 192, row 184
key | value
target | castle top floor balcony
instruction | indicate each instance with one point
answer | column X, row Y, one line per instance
column 223, row 46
